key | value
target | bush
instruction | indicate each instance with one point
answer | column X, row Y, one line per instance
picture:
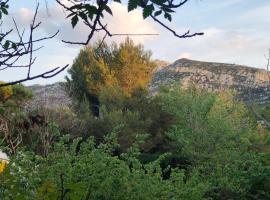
column 5, row 93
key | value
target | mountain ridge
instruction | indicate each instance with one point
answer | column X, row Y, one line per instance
column 251, row 84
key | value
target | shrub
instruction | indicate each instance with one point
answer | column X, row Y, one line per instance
column 5, row 93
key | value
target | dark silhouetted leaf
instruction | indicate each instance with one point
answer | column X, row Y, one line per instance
column 133, row 4
column 148, row 10
column 6, row 45
column 74, row 21
column 168, row 16
column 83, row 15
column 108, row 9
column 157, row 13
column 4, row 10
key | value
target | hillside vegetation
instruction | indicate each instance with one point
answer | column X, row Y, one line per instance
column 118, row 142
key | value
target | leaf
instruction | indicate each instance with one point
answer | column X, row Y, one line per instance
column 157, row 13
column 133, row 4
column 14, row 46
column 148, row 10
column 92, row 10
column 6, row 45
column 108, row 9
column 71, row 14
column 118, row 1
column 168, row 16
column 83, row 15
column 4, row 10
column 165, row 9
column 74, row 21
column 159, row 2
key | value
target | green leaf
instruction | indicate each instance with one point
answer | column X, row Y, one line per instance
column 71, row 14
column 148, row 10
column 118, row 1
column 165, row 9
column 14, row 46
column 168, row 16
column 4, row 10
column 159, row 2
column 74, row 21
column 157, row 13
column 83, row 15
column 6, row 45
column 91, row 9
column 133, row 4
column 108, row 9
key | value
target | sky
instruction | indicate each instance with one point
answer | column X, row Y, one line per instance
column 236, row 32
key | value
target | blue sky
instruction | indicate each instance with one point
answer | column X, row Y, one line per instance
column 236, row 31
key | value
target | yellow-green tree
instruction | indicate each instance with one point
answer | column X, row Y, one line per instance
column 127, row 66
column 133, row 66
column 5, row 92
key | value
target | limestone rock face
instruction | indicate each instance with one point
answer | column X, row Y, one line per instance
column 250, row 84
column 160, row 64
column 50, row 96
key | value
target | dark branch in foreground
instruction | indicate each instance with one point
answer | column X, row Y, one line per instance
column 11, row 52
column 45, row 75
column 81, row 9
column 185, row 35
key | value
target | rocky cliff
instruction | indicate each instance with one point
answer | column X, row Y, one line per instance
column 51, row 96
column 250, row 84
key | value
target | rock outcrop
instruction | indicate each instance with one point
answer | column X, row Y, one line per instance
column 250, row 84
column 51, row 96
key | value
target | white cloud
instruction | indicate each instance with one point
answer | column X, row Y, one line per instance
column 185, row 55
column 239, row 46
column 120, row 22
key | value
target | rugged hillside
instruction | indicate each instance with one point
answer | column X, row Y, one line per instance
column 251, row 84
column 161, row 64
column 52, row 96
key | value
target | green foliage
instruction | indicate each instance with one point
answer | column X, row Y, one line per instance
column 180, row 144
column 90, row 11
column 138, row 114
column 101, row 66
column 21, row 93
column 11, row 99
column 93, row 173
column 215, row 136
column 5, row 93
column 3, row 9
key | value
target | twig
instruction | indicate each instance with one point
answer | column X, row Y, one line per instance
column 45, row 75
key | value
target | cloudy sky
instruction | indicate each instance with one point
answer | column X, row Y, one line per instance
column 236, row 31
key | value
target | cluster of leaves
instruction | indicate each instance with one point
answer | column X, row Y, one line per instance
column 93, row 172
column 154, row 7
column 5, row 93
column 14, row 95
column 3, row 8
column 4, row 11
column 210, row 150
column 101, row 66
column 87, row 11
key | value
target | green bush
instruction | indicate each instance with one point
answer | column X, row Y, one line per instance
column 5, row 93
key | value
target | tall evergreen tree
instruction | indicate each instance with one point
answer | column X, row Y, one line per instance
column 127, row 66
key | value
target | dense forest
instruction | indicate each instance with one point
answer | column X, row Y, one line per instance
column 117, row 141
